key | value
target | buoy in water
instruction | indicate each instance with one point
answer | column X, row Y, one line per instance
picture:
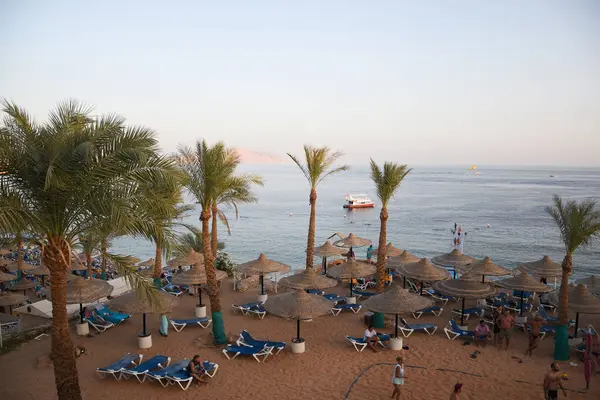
column 489, row 225
column 291, row 214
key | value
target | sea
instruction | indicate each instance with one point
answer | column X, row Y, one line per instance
column 502, row 211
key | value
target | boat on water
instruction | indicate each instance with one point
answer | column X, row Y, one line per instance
column 358, row 201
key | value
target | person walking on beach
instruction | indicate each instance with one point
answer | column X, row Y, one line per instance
column 496, row 318
column 535, row 331
column 456, row 391
column 507, row 324
column 398, row 377
column 552, row 383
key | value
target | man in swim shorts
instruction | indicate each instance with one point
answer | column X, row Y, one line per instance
column 535, row 333
column 507, row 324
column 552, row 383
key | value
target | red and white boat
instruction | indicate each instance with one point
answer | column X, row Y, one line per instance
column 358, row 201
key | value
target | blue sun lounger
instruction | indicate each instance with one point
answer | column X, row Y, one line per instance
column 184, row 379
column 255, row 352
column 477, row 311
column 179, row 324
column 172, row 290
column 334, row 297
column 454, row 331
column 115, row 368
column 160, row 375
column 245, row 307
column 435, row 310
column 360, row 343
column 548, row 318
column 339, row 308
column 111, row 316
column 257, row 310
column 140, row 371
column 407, row 329
column 246, row 339
column 315, row 291
column 360, row 293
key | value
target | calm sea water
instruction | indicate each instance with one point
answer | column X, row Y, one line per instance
column 428, row 204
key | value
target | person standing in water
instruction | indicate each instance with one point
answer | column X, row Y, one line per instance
column 398, row 377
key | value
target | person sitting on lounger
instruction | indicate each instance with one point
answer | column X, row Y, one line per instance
column 371, row 337
column 482, row 333
column 90, row 313
column 196, row 370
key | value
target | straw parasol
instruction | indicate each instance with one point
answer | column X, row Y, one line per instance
column 5, row 261
column 22, row 267
column 11, row 299
column 191, row 258
column 390, row 250
column 41, row 270
column 261, row 266
column 465, row 289
column 298, row 305
column 352, row 241
column 308, row 279
column 592, row 282
column 581, row 301
column 404, row 258
column 397, row 300
column 5, row 252
column 77, row 265
column 523, row 282
column 148, row 263
column 485, row 268
column 351, row 269
column 422, row 271
column 327, row 250
column 23, row 285
column 131, row 303
column 82, row 290
column 453, row 259
column 544, row 268
column 196, row 276
column 4, row 277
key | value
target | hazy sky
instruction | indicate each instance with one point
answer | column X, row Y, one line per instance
column 419, row 82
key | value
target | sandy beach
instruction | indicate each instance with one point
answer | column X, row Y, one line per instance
column 325, row 371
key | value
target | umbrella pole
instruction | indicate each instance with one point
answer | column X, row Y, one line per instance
column 262, row 284
column 482, row 278
column 521, row 303
column 144, row 324
column 462, row 313
column 351, row 286
column 421, row 292
column 324, row 265
column 404, row 283
column 298, row 331
column 396, row 327
column 576, row 324
column 199, row 296
column 81, row 313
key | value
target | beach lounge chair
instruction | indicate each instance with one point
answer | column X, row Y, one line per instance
column 412, row 287
column 179, row 324
column 160, row 375
column 111, row 316
column 258, row 310
column 99, row 325
column 436, row 295
column 172, row 290
column 407, row 329
column 548, row 318
column 334, row 297
column 516, row 307
column 435, row 310
column 360, row 343
column 477, row 311
column 526, row 295
column 455, row 331
column 184, row 379
column 255, row 352
column 339, row 308
column 246, row 339
column 140, row 370
column 115, row 368
column 315, row 291
column 244, row 307
column 361, row 293
column 361, row 284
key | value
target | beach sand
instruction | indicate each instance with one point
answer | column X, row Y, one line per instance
column 325, row 371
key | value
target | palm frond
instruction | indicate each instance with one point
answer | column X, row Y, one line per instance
column 578, row 223
column 387, row 180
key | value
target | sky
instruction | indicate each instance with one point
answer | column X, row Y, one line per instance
column 417, row 82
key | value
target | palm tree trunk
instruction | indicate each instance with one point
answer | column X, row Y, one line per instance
column 19, row 256
column 103, row 251
column 62, row 353
column 561, row 343
column 211, row 281
column 213, row 232
column 157, row 265
column 381, row 250
column 310, row 243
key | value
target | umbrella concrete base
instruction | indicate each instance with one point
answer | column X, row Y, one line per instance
column 83, row 329
column 298, row 347
column 395, row 344
column 521, row 319
column 575, row 342
column 263, row 297
column 351, row 300
column 200, row 311
column 144, row 342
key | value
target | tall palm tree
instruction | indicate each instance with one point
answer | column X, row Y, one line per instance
column 191, row 240
column 579, row 226
column 387, row 182
column 232, row 191
column 206, row 166
column 58, row 178
column 319, row 164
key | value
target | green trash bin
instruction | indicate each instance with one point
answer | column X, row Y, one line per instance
column 378, row 320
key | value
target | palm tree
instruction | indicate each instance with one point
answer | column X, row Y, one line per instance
column 191, row 240
column 58, row 178
column 206, row 167
column 232, row 191
column 319, row 165
column 579, row 226
column 387, row 182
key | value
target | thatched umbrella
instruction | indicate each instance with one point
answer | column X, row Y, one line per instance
column 592, row 283
column 148, row 263
column 130, row 303
column 23, row 285
column 4, row 277
column 261, row 266
column 485, row 268
column 81, row 290
column 11, row 299
column 455, row 259
column 390, row 250
column 351, row 269
column 397, row 300
column 581, row 301
column 544, row 268
column 352, row 241
column 22, row 267
column 196, row 276
column 5, row 261
column 5, row 252
column 327, row 250
column 524, row 283
column 298, row 305
column 308, row 279
column 41, row 270
column 191, row 258
column 404, row 258
column 465, row 289
column 77, row 265
column 423, row 271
